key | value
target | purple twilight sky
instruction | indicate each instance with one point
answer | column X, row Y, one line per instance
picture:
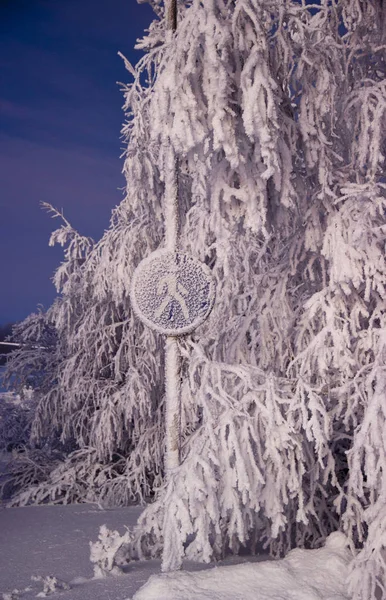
column 60, row 122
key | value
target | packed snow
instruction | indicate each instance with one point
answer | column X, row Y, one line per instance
column 44, row 551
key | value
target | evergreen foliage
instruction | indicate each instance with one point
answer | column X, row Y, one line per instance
column 275, row 111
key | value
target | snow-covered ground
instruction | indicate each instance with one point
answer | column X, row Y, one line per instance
column 42, row 541
column 54, row 541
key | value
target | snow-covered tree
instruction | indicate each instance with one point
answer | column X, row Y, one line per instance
column 87, row 443
column 274, row 112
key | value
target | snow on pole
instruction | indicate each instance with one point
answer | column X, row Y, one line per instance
column 172, row 356
column 173, row 409
column 171, row 166
column 171, row 200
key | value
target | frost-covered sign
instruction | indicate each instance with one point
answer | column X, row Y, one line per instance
column 172, row 292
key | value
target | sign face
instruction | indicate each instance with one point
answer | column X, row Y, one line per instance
column 172, row 293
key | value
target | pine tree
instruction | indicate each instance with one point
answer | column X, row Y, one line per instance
column 274, row 112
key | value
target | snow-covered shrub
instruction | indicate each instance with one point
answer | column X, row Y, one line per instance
column 106, row 552
column 51, row 585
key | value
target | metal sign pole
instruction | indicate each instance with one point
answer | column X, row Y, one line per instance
column 172, row 357
column 172, row 354
column 172, row 293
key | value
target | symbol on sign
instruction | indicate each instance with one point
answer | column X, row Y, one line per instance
column 174, row 291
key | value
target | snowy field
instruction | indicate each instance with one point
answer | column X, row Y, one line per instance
column 38, row 542
column 41, row 541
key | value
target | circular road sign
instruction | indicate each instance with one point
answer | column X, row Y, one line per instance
column 173, row 293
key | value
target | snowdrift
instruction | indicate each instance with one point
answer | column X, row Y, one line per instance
column 302, row 575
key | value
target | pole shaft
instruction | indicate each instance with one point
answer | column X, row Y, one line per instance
column 172, row 417
column 172, row 355
column 172, row 358
column 171, row 15
column 171, row 164
column 171, row 201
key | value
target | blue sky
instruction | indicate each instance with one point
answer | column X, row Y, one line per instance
column 60, row 121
